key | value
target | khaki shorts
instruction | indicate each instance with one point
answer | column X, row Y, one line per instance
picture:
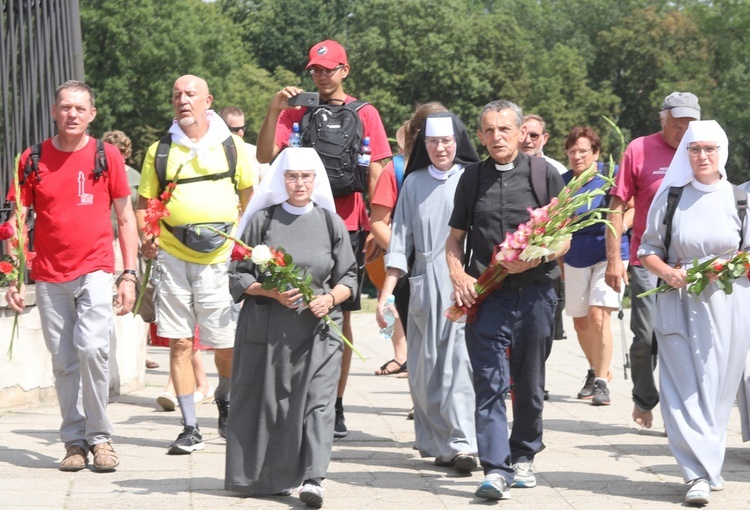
column 186, row 294
column 585, row 287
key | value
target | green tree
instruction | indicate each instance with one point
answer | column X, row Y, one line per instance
column 135, row 50
column 726, row 23
column 650, row 53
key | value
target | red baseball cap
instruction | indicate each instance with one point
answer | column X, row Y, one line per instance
column 328, row 54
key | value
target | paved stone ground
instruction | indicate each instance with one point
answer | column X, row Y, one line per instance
column 596, row 457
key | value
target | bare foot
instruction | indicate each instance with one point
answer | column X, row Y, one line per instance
column 643, row 418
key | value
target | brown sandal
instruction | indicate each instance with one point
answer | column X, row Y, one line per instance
column 384, row 369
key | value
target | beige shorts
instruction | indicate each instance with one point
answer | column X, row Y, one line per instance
column 186, row 294
column 585, row 287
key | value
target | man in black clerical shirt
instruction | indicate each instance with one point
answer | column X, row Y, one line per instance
column 491, row 200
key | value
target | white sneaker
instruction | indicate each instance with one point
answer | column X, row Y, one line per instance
column 718, row 486
column 525, row 477
column 699, row 492
column 199, row 397
column 167, row 401
column 494, row 486
column 311, row 495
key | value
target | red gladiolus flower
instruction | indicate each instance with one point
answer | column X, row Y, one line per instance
column 718, row 267
column 278, row 258
column 6, row 231
column 6, row 267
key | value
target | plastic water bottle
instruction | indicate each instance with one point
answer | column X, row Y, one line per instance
column 387, row 332
column 364, row 153
column 294, row 136
column 300, row 300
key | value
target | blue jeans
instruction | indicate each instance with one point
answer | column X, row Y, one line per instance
column 521, row 319
column 642, row 352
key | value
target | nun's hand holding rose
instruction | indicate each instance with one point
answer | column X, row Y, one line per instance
column 321, row 305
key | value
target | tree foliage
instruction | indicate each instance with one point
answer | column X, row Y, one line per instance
column 570, row 61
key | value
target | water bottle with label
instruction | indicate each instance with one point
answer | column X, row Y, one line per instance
column 300, row 300
column 390, row 319
column 295, row 136
column 364, row 153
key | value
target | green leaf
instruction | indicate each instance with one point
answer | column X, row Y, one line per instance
column 268, row 284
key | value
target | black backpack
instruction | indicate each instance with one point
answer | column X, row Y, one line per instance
column 336, row 132
column 32, row 163
column 673, row 198
column 162, row 154
column 537, row 177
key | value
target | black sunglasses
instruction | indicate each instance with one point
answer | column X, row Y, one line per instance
column 236, row 129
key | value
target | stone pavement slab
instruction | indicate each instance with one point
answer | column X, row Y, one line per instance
column 596, row 457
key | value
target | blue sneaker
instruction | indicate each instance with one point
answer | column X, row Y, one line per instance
column 494, row 486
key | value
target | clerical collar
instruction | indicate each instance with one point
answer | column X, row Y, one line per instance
column 443, row 176
column 508, row 166
column 297, row 211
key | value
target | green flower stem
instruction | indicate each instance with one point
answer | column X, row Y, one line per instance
column 20, row 259
column 337, row 330
column 144, row 282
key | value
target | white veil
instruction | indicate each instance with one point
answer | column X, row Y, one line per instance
column 680, row 172
column 272, row 189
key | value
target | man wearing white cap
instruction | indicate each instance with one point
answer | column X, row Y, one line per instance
column 643, row 166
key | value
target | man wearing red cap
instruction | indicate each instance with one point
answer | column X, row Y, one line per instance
column 328, row 67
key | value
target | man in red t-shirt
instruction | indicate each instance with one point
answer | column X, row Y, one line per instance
column 74, row 268
column 643, row 166
column 329, row 66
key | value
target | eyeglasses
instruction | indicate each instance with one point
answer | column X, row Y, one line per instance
column 322, row 71
column 236, row 129
column 534, row 136
column 306, row 177
column 695, row 151
column 580, row 153
column 434, row 143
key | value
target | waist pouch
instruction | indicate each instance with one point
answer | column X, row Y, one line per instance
column 198, row 238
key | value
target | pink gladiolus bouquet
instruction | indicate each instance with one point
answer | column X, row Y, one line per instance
column 547, row 230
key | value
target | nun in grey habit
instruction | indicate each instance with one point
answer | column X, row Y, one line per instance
column 703, row 340
column 440, row 375
column 286, row 360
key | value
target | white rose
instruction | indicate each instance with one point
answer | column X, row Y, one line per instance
column 261, row 255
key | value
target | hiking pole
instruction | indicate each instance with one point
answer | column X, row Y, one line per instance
column 625, row 355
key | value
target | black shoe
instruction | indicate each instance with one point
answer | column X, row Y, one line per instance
column 587, row 391
column 223, row 406
column 601, row 394
column 189, row 440
column 340, row 429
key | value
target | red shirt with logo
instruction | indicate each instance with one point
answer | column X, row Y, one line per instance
column 73, row 233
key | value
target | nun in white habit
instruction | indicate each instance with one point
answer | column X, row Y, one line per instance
column 440, row 375
column 703, row 341
column 286, row 360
